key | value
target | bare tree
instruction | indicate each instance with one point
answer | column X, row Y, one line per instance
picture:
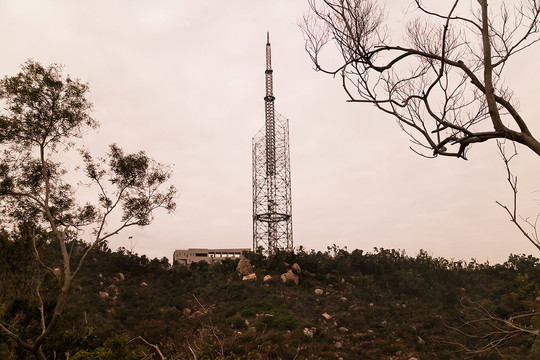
column 444, row 83
column 44, row 113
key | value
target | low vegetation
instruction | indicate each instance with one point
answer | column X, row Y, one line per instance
column 378, row 305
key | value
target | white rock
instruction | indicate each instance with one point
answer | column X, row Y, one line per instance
column 250, row 277
column 309, row 332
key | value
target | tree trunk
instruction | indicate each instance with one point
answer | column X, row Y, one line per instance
column 38, row 353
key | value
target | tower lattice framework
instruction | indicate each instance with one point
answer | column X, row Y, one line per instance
column 272, row 206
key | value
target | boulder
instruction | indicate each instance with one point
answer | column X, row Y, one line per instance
column 103, row 295
column 343, row 329
column 267, row 278
column 309, row 332
column 326, row 316
column 296, row 268
column 250, row 277
column 119, row 277
column 289, row 277
column 244, row 267
column 319, row 291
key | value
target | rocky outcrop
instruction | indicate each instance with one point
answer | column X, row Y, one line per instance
column 289, row 278
column 244, row 267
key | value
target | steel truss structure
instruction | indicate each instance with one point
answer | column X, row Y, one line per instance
column 272, row 205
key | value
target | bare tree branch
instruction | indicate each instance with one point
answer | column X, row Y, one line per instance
column 439, row 85
column 155, row 347
column 513, row 210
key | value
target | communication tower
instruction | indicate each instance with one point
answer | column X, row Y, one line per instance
column 272, row 206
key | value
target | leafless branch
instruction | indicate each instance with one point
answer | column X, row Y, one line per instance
column 512, row 211
column 155, row 347
column 438, row 84
column 488, row 330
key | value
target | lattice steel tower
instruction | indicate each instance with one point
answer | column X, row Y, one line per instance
column 272, row 207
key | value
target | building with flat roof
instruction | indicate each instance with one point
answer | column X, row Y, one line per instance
column 186, row 257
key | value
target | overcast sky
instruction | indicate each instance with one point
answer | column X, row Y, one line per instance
column 184, row 81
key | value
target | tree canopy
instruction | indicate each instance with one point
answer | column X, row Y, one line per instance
column 45, row 112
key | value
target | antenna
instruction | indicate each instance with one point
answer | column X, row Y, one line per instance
column 272, row 205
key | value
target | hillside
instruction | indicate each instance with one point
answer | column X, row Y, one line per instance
column 349, row 305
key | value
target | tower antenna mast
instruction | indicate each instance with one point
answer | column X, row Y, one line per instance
column 272, row 205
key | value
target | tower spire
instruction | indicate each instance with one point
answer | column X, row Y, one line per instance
column 269, row 111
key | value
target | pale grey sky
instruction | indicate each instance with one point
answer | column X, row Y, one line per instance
column 184, row 81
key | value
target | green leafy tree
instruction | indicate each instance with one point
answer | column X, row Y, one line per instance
column 45, row 112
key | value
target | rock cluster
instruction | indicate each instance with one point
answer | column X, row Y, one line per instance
column 291, row 276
